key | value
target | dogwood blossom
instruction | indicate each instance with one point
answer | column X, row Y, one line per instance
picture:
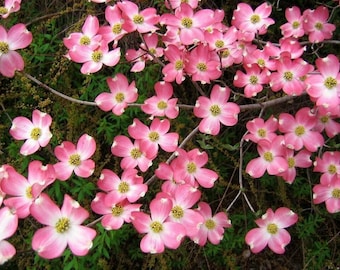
column 272, row 230
column 36, row 132
column 63, row 228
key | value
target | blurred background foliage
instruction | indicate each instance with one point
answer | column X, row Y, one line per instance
column 315, row 239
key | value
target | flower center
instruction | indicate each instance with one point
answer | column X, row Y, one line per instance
column 261, row 62
column 3, row 10
column 117, row 210
column 272, row 228
column 156, row 227
column 97, row 56
column 291, row 162
column 215, row 110
column 210, row 224
column 201, row 67
column 85, row 40
column 186, row 22
column 262, row 133
column 332, row 169
column 153, row 136
column 62, row 225
column 225, row 53
column 35, row 133
column 179, row 64
column 288, row 76
column 123, row 187
column 324, row 119
column 4, row 47
column 29, row 192
column 177, row 212
column 268, row 156
column 219, row 43
column 299, row 131
column 162, row 105
column 255, row 19
column 138, row 19
column 191, row 167
column 119, row 97
column 253, row 79
column 74, row 160
column 330, row 82
column 135, row 153
column 318, row 26
column 295, row 25
column 336, row 193
column 117, row 28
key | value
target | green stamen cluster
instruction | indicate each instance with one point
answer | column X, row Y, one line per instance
column 179, row 65
column 253, row 79
column 4, row 47
column 177, row 212
column 62, row 225
column 210, row 224
column 201, row 67
column 153, row 136
column 156, row 227
column 272, row 228
column 187, row 22
column 255, row 18
column 268, row 156
column 332, row 169
column 191, row 167
column 219, row 43
column 117, row 210
column 288, row 76
column 135, row 153
column 97, row 56
column 215, row 110
column 318, row 26
column 162, row 105
column 262, row 132
column 3, row 10
column 117, row 28
column 330, row 83
column 29, row 192
column 138, row 19
column 119, row 97
column 299, row 131
column 85, row 40
column 35, row 133
column 123, row 187
column 74, row 160
column 291, row 162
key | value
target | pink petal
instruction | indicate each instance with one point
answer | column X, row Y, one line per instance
column 141, row 221
column 7, row 251
column 278, row 241
column 8, row 223
column 172, row 234
column 21, row 128
column 48, row 243
column 63, row 170
column 80, row 239
column 257, row 239
column 45, row 211
column 86, row 146
column 152, row 243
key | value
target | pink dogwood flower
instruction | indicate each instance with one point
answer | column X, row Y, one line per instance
column 253, row 80
column 216, row 110
column 272, row 231
column 329, row 166
column 159, row 232
column 74, row 158
column 17, row 37
column 89, row 36
column 288, row 75
column 22, row 191
column 271, row 158
column 188, row 166
column 324, row 88
column 63, row 228
column 294, row 26
column 302, row 159
column 259, row 129
column 115, row 211
column 10, row 6
column 121, row 94
column 129, row 186
column 213, row 226
column 202, row 64
column 253, row 21
column 183, row 199
column 8, row 225
column 328, row 123
column 94, row 59
column 173, row 4
column 114, row 31
column 188, row 24
column 155, row 136
column 133, row 153
column 135, row 20
column 298, row 131
column 162, row 104
column 174, row 71
column 36, row 132
column 329, row 193
column 316, row 24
